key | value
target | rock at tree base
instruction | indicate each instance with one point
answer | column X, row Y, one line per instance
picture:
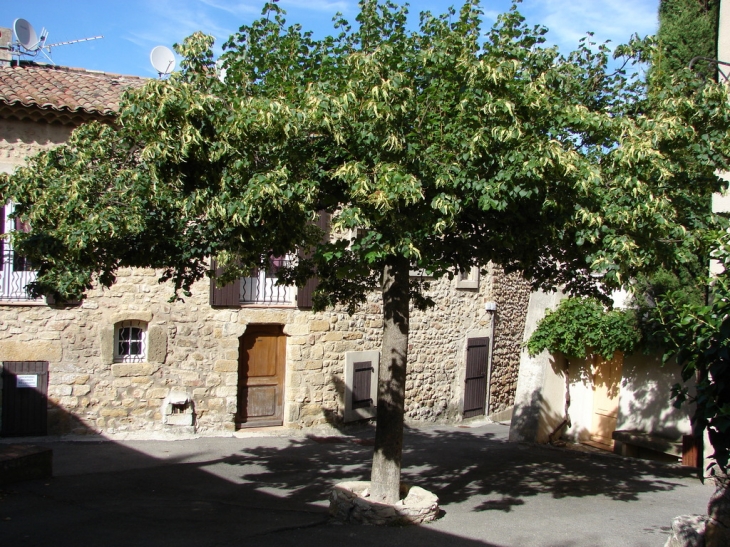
column 687, row 531
column 349, row 503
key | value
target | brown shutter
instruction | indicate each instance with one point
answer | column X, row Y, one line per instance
column 361, row 382
column 2, row 231
column 227, row 296
column 691, row 451
column 304, row 295
column 475, row 388
column 25, row 407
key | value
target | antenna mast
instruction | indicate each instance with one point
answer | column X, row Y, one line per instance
column 27, row 42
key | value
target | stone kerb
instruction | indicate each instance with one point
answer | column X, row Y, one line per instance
column 349, row 503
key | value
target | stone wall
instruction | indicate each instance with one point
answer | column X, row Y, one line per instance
column 437, row 348
column 512, row 295
column 89, row 393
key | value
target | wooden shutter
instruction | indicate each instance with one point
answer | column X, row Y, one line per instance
column 2, row 231
column 227, row 296
column 304, row 294
column 691, row 451
column 361, row 382
column 25, row 403
column 475, row 388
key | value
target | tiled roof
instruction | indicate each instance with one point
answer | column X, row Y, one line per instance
column 64, row 89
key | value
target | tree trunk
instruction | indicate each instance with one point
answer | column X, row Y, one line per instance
column 717, row 529
column 385, row 477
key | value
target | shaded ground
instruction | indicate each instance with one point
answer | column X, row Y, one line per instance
column 272, row 491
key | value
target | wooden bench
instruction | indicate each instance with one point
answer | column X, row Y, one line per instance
column 632, row 441
column 24, row 462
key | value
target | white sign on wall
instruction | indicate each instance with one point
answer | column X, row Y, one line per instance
column 27, row 381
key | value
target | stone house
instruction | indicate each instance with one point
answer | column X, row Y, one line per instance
column 126, row 361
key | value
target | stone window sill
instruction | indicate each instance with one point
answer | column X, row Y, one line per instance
column 33, row 303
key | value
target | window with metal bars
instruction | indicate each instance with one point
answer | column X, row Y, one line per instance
column 130, row 342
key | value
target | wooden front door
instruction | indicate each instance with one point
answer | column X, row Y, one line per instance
column 475, row 384
column 261, row 368
column 606, row 389
column 25, row 403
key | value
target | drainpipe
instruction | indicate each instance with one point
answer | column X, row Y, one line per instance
column 490, row 307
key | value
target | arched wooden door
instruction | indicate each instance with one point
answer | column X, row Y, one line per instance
column 261, row 369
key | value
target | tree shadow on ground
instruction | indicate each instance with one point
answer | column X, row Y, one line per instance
column 482, row 467
column 273, row 491
column 269, row 491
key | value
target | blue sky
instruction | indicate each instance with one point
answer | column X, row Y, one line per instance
column 131, row 28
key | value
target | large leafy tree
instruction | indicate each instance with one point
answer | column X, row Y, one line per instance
column 440, row 148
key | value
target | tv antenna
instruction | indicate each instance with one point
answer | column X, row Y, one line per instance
column 163, row 60
column 28, row 42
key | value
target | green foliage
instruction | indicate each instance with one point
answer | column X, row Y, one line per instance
column 581, row 326
column 446, row 146
column 685, row 286
column 687, row 29
column 698, row 337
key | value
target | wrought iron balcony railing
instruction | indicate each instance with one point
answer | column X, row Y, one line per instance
column 15, row 274
column 261, row 287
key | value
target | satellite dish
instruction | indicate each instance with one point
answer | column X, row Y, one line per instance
column 162, row 59
column 29, row 43
column 26, row 34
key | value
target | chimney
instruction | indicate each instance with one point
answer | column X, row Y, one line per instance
column 6, row 38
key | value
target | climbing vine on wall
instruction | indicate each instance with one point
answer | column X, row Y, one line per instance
column 581, row 326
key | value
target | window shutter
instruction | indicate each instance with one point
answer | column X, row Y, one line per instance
column 2, row 241
column 475, row 388
column 361, row 384
column 304, row 295
column 227, row 296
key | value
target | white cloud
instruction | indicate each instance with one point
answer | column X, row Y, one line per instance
column 614, row 20
column 247, row 9
column 171, row 22
column 327, row 6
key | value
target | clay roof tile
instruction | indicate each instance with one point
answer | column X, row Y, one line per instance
column 63, row 88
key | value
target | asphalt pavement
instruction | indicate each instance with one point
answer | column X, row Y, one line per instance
column 273, row 490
